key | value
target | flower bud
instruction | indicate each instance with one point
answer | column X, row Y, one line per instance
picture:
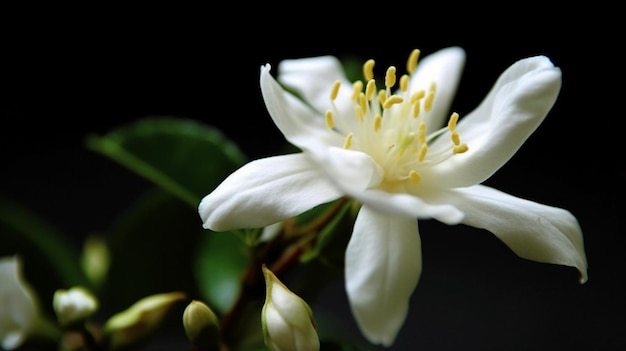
column 140, row 320
column 286, row 319
column 201, row 325
column 74, row 305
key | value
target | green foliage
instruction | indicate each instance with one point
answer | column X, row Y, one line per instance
column 180, row 155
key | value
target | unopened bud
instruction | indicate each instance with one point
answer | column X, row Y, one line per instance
column 74, row 305
column 140, row 320
column 201, row 325
column 286, row 319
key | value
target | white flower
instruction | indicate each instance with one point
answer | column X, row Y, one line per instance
column 20, row 314
column 287, row 320
column 74, row 305
column 386, row 149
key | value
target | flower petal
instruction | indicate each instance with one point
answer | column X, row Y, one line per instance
column 302, row 126
column 266, row 191
column 533, row 231
column 313, row 78
column 516, row 105
column 444, row 68
column 383, row 266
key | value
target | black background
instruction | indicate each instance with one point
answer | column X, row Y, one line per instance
column 74, row 73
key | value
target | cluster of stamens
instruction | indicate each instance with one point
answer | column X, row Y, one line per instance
column 391, row 128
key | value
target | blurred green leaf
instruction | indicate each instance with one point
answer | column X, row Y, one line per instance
column 219, row 268
column 50, row 262
column 180, row 155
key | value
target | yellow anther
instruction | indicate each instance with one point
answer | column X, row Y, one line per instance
column 390, row 77
column 428, row 104
column 363, row 102
column 335, row 90
column 416, row 109
column 459, row 149
column 411, row 63
column 330, row 121
column 414, row 177
column 382, row 96
column 417, row 96
column 348, row 142
column 370, row 89
column 359, row 113
column 378, row 122
column 368, row 70
column 456, row 139
column 422, row 153
column 422, row 132
column 357, row 88
column 452, row 121
column 393, row 99
column 404, row 82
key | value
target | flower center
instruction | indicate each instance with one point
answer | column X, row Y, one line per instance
column 391, row 128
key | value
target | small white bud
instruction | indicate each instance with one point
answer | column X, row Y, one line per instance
column 287, row 320
column 201, row 325
column 74, row 305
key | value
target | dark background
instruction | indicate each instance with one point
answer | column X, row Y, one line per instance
column 64, row 77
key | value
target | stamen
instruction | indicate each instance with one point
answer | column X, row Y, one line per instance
column 428, row 104
column 414, row 176
column 459, row 149
column 404, row 82
column 416, row 109
column 378, row 122
column 357, row 89
column 368, row 69
column 370, row 89
column 330, row 121
column 382, row 96
column 393, row 99
column 452, row 122
column 335, row 90
column 363, row 102
column 390, row 77
column 348, row 142
column 417, row 96
column 422, row 153
column 422, row 132
column 411, row 63
column 359, row 113
column 456, row 139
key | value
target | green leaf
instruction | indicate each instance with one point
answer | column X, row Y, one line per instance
column 222, row 260
column 50, row 262
column 180, row 155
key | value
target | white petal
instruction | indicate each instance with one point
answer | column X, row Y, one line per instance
column 313, row 78
column 444, row 68
column 533, row 231
column 266, row 191
column 19, row 312
column 302, row 126
column 383, row 266
column 517, row 104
